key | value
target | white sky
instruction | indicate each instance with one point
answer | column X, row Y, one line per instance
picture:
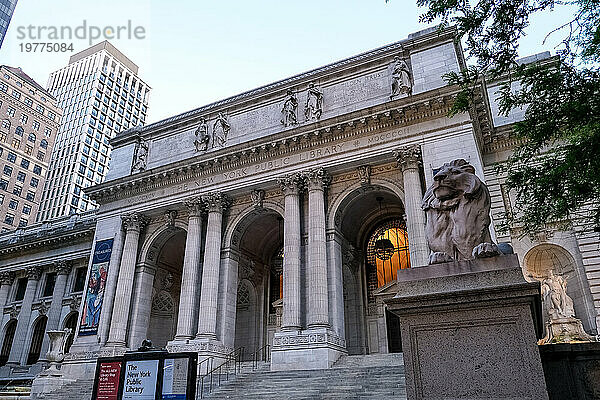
column 197, row 52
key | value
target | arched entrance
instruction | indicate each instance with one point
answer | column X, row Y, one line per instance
column 260, row 237
column 370, row 221
column 9, row 335
column 166, row 288
column 39, row 329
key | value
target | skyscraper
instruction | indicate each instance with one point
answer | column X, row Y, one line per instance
column 7, row 7
column 29, row 120
column 101, row 95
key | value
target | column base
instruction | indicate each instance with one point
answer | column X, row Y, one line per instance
column 211, row 353
column 316, row 348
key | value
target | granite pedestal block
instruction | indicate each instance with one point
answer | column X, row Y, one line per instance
column 572, row 370
column 309, row 349
column 469, row 331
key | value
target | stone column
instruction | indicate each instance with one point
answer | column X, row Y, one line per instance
column 6, row 281
column 141, row 305
column 290, row 185
column 318, row 308
column 16, row 351
column 409, row 159
column 335, row 281
column 215, row 203
column 63, row 268
column 133, row 224
column 186, row 322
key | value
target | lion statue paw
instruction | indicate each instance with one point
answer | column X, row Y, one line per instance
column 438, row 257
column 485, row 250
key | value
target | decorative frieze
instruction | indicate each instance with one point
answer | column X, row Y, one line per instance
column 304, row 340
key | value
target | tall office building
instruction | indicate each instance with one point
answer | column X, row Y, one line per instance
column 101, row 95
column 29, row 120
column 7, row 7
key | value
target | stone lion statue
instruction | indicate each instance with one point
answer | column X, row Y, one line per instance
column 457, row 206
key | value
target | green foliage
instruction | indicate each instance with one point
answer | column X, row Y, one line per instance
column 555, row 171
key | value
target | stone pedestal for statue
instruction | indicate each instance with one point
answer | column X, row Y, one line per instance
column 315, row 348
column 470, row 330
column 53, row 378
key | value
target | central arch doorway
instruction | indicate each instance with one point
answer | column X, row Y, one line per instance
column 259, row 289
column 375, row 245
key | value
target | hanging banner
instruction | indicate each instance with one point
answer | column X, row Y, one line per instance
column 94, row 296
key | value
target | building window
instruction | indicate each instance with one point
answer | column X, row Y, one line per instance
column 10, row 112
column 9, row 219
column 36, row 125
column 34, row 182
column 6, row 124
column 47, row 132
column 1, row 198
column 23, row 119
column 29, row 150
column 79, row 279
column 40, row 108
column 12, row 157
column 21, row 176
column 17, row 190
column 44, row 144
column 36, row 340
column 16, row 94
column 3, row 184
column 21, row 286
column 3, row 136
column 27, row 209
column 25, row 163
column 13, row 204
column 22, row 223
column 9, row 336
column 28, row 101
column 16, row 143
column 40, row 156
column 37, row 169
column 387, row 251
column 19, row 130
column 8, row 170
column 31, row 137
column 49, row 285
column 30, row 196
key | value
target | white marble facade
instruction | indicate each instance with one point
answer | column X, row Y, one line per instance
column 307, row 167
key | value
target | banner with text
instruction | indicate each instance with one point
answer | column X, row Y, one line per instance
column 90, row 318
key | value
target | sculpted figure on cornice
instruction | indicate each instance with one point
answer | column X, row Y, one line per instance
column 257, row 196
column 401, row 78
column 221, row 129
column 140, row 157
column 289, row 111
column 314, row 103
column 202, row 136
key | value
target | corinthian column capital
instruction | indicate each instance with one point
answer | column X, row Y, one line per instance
column 195, row 206
column 409, row 156
column 34, row 273
column 216, row 202
column 7, row 278
column 290, row 184
column 317, row 179
column 63, row 267
column 134, row 221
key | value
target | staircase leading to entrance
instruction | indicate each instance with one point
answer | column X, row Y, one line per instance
column 377, row 376
column 352, row 377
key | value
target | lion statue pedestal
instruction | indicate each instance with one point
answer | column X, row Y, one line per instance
column 469, row 321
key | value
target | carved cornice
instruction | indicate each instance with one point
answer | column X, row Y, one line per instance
column 63, row 267
column 389, row 115
column 291, row 184
column 216, row 202
column 34, row 273
column 7, row 278
column 409, row 157
column 316, row 179
column 134, row 222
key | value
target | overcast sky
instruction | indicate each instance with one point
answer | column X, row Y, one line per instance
column 197, row 51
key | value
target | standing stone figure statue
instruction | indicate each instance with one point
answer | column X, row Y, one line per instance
column 202, row 136
column 401, row 80
column 221, row 129
column 557, row 302
column 314, row 103
column 457, row 206
column 289, row 116
column 141, row 157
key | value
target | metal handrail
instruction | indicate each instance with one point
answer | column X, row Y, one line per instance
column 235, row 357
column 262, row 354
